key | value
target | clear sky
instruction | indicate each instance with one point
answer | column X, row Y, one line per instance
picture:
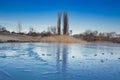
column 101, row 15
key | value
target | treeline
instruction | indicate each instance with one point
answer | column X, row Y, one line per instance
column 3, row 29
column 54, row 30
column 32, row 32
column 92, row 36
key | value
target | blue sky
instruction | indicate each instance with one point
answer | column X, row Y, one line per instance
column 101, row 15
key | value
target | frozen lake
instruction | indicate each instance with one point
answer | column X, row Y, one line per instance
column 54, row 61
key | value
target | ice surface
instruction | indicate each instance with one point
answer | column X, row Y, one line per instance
column 54, row 61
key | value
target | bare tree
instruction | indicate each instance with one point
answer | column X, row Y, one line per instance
column 2, row 28
column 48, row 29
column 31, row 30
column 19, row 27
column 95, row 33
column 53, row 30
column 70, row 32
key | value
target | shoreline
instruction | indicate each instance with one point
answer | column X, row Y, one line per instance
column 53, row 42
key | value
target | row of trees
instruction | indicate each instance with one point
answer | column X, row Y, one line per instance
column 32, row 32
column 65, row 24
column 2, row 29
column 50, row 32
column 90, row 36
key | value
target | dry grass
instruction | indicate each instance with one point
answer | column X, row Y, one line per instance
column 62, row 39
column 21, row 38
column 24, row 38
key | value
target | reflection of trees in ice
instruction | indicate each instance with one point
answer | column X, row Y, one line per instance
column 61, row 59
